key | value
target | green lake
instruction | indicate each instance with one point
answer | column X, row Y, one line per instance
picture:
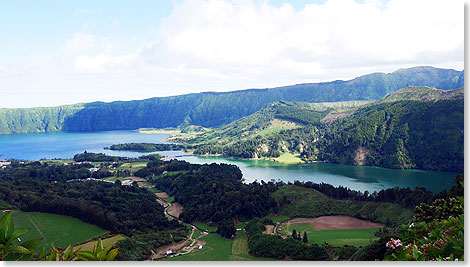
column 66, row 144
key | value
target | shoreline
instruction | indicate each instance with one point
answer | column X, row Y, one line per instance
column 157, row 131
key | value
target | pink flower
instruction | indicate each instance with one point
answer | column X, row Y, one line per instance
column 394, row 243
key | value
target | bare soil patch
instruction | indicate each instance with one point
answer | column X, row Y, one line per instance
column 174, row 247
column 162, row 195
column 337, row 222
column 163, row 203
column 269, row 229
column 175, row 209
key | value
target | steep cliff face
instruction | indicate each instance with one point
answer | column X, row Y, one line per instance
column 215, row 109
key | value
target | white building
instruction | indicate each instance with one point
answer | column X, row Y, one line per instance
column 4, row 164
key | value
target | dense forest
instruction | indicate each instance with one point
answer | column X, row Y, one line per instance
column 393, row 133
column 96, row 157
column 405, row 197
column 401, row 135
column 215, row 194
column 41, row 187
column 211, row 109
column 211, row 192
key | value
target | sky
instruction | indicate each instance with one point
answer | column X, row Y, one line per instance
column 65, row 52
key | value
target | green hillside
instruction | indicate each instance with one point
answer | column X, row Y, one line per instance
column 295, row 201
column 55, row 230
column 271, row 120
column 416, row 127
column 34, row 120
column 212, row 109
column 404, row 134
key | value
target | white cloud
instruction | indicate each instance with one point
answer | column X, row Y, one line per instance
column 80, row 41
column 246, row 34
column 221, row 45
column 248, row 38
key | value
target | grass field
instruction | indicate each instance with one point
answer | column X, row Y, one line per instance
column 197, row 233
column 205, row 227
column 154, row 190
column 216, row 248
column 57, row 230
column 132, row 166
column 240, row 249
column 288, row 158
column 113, row 179
column 353, row 237
column 169, row 199
column 143, row 184
column 110, row 241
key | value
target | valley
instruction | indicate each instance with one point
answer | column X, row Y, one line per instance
column 312, row 176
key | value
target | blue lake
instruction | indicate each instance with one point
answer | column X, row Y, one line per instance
column 66, row 144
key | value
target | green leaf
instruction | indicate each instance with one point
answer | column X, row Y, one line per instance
column 85, row 255
column 52, row 255
column 99, row 246
column 31, row 244
column 17, row 233
column 42, row 255
column 69, row 253
column 13, row 249
column 112, row 254
column 106, row 249
column 6, row 227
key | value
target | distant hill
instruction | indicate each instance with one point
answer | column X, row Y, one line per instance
column 416, row 127
column 212, row 109
column 270, row 120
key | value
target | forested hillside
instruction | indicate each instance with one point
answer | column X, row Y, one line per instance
column 272, row 119
column 416, row 127
column 215, row 109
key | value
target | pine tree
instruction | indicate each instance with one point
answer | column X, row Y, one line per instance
column 305, row 239
column 294, row 234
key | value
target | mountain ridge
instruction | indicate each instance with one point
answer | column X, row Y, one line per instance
column 213, row 109
column 406, row 131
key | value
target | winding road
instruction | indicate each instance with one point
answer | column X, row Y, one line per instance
column 193, row 241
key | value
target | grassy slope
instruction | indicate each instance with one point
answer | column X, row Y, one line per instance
column 288, row 158
column 89, row 246
column 304, row 202
column 56, row 229
column 266, row 121
column 218, row 248
column 354, row 237
column 270, row 120
column 421, row 94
